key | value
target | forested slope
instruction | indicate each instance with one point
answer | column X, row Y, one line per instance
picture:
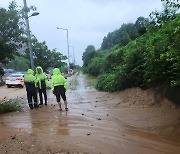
column 144, row 54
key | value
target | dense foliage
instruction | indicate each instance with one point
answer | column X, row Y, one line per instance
column 42, row 55
column 19, row 63
column 11, row 30
column 125, row 33
column 147, row 59
column 45, row 57
column 13, row 37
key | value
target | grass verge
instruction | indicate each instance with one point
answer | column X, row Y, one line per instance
column 91, row 80
column 73, row 83
column 9, row 105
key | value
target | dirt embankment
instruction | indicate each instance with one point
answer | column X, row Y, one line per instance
column 143, row 98
column 149, row 111
column 132, row 121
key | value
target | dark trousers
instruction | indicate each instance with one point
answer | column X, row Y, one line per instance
column 32, row 97
column 58, row 98
column 60, row 91
column 42, row 91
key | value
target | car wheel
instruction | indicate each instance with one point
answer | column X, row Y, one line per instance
column 8, row 86
column 20, row 86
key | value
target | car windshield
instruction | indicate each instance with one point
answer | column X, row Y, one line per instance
column 15, row 75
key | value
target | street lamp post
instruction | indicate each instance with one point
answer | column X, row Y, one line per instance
column 67, row 43
column 73, row 54
column 28, row 33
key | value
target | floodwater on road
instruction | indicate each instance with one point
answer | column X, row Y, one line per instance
column 93, row 124
column 11, row 92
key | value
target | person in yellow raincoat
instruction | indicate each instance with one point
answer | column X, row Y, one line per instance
column 41, row 84
column 59, row 87
column 29, row 80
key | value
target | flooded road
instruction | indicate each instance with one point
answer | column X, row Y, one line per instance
column 11, row 92
column 96, row 123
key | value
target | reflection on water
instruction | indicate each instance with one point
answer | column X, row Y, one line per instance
column 17, row 120
column 54, row 122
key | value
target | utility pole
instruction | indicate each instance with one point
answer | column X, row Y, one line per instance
column 29, row 34
column 73, row 54
column 68, row 47
column 74, row 60
column 67, row 44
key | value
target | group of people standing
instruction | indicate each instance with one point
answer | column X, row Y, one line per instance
column 39, row 83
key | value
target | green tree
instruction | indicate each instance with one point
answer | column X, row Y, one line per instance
column 19, row 63
column 124, row 39
column 130, row 29
column 172, row 3
column 126, row 33
column 11, row 30
column 170, row 8
column 96, row 66
column 89, row 53
column 141, row 25
column 45, row 57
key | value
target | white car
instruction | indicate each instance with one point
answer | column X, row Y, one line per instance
column 15, row 80
column 48, row 76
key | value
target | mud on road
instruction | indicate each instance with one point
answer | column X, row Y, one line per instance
column 11, row 92
column 96, row 123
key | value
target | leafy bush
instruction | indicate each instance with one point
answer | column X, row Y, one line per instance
column 151, row 60
column 96, row 66
column 113, row 59
column 10, row 105
column 107, row 82
column 163, row 58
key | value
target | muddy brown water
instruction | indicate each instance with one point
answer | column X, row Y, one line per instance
column 93, row 124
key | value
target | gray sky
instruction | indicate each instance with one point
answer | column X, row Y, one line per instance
column 88, row 21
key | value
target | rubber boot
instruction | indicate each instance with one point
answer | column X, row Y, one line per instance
column 36, row 105
column 31, row 105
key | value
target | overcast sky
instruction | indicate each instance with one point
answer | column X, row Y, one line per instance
column 88, row 21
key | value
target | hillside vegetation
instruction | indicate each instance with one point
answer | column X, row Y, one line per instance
column 142, row 54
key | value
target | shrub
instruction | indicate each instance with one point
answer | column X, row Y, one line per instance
column 10, row 105
column 107, row 82
column 96, row 66
column 151, row 60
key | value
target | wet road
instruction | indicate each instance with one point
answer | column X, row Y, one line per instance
column 92, row 125
column 11, row 92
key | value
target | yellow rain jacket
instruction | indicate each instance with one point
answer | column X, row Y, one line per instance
column 58, row 79
column 41, row 79
column 30, row 80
